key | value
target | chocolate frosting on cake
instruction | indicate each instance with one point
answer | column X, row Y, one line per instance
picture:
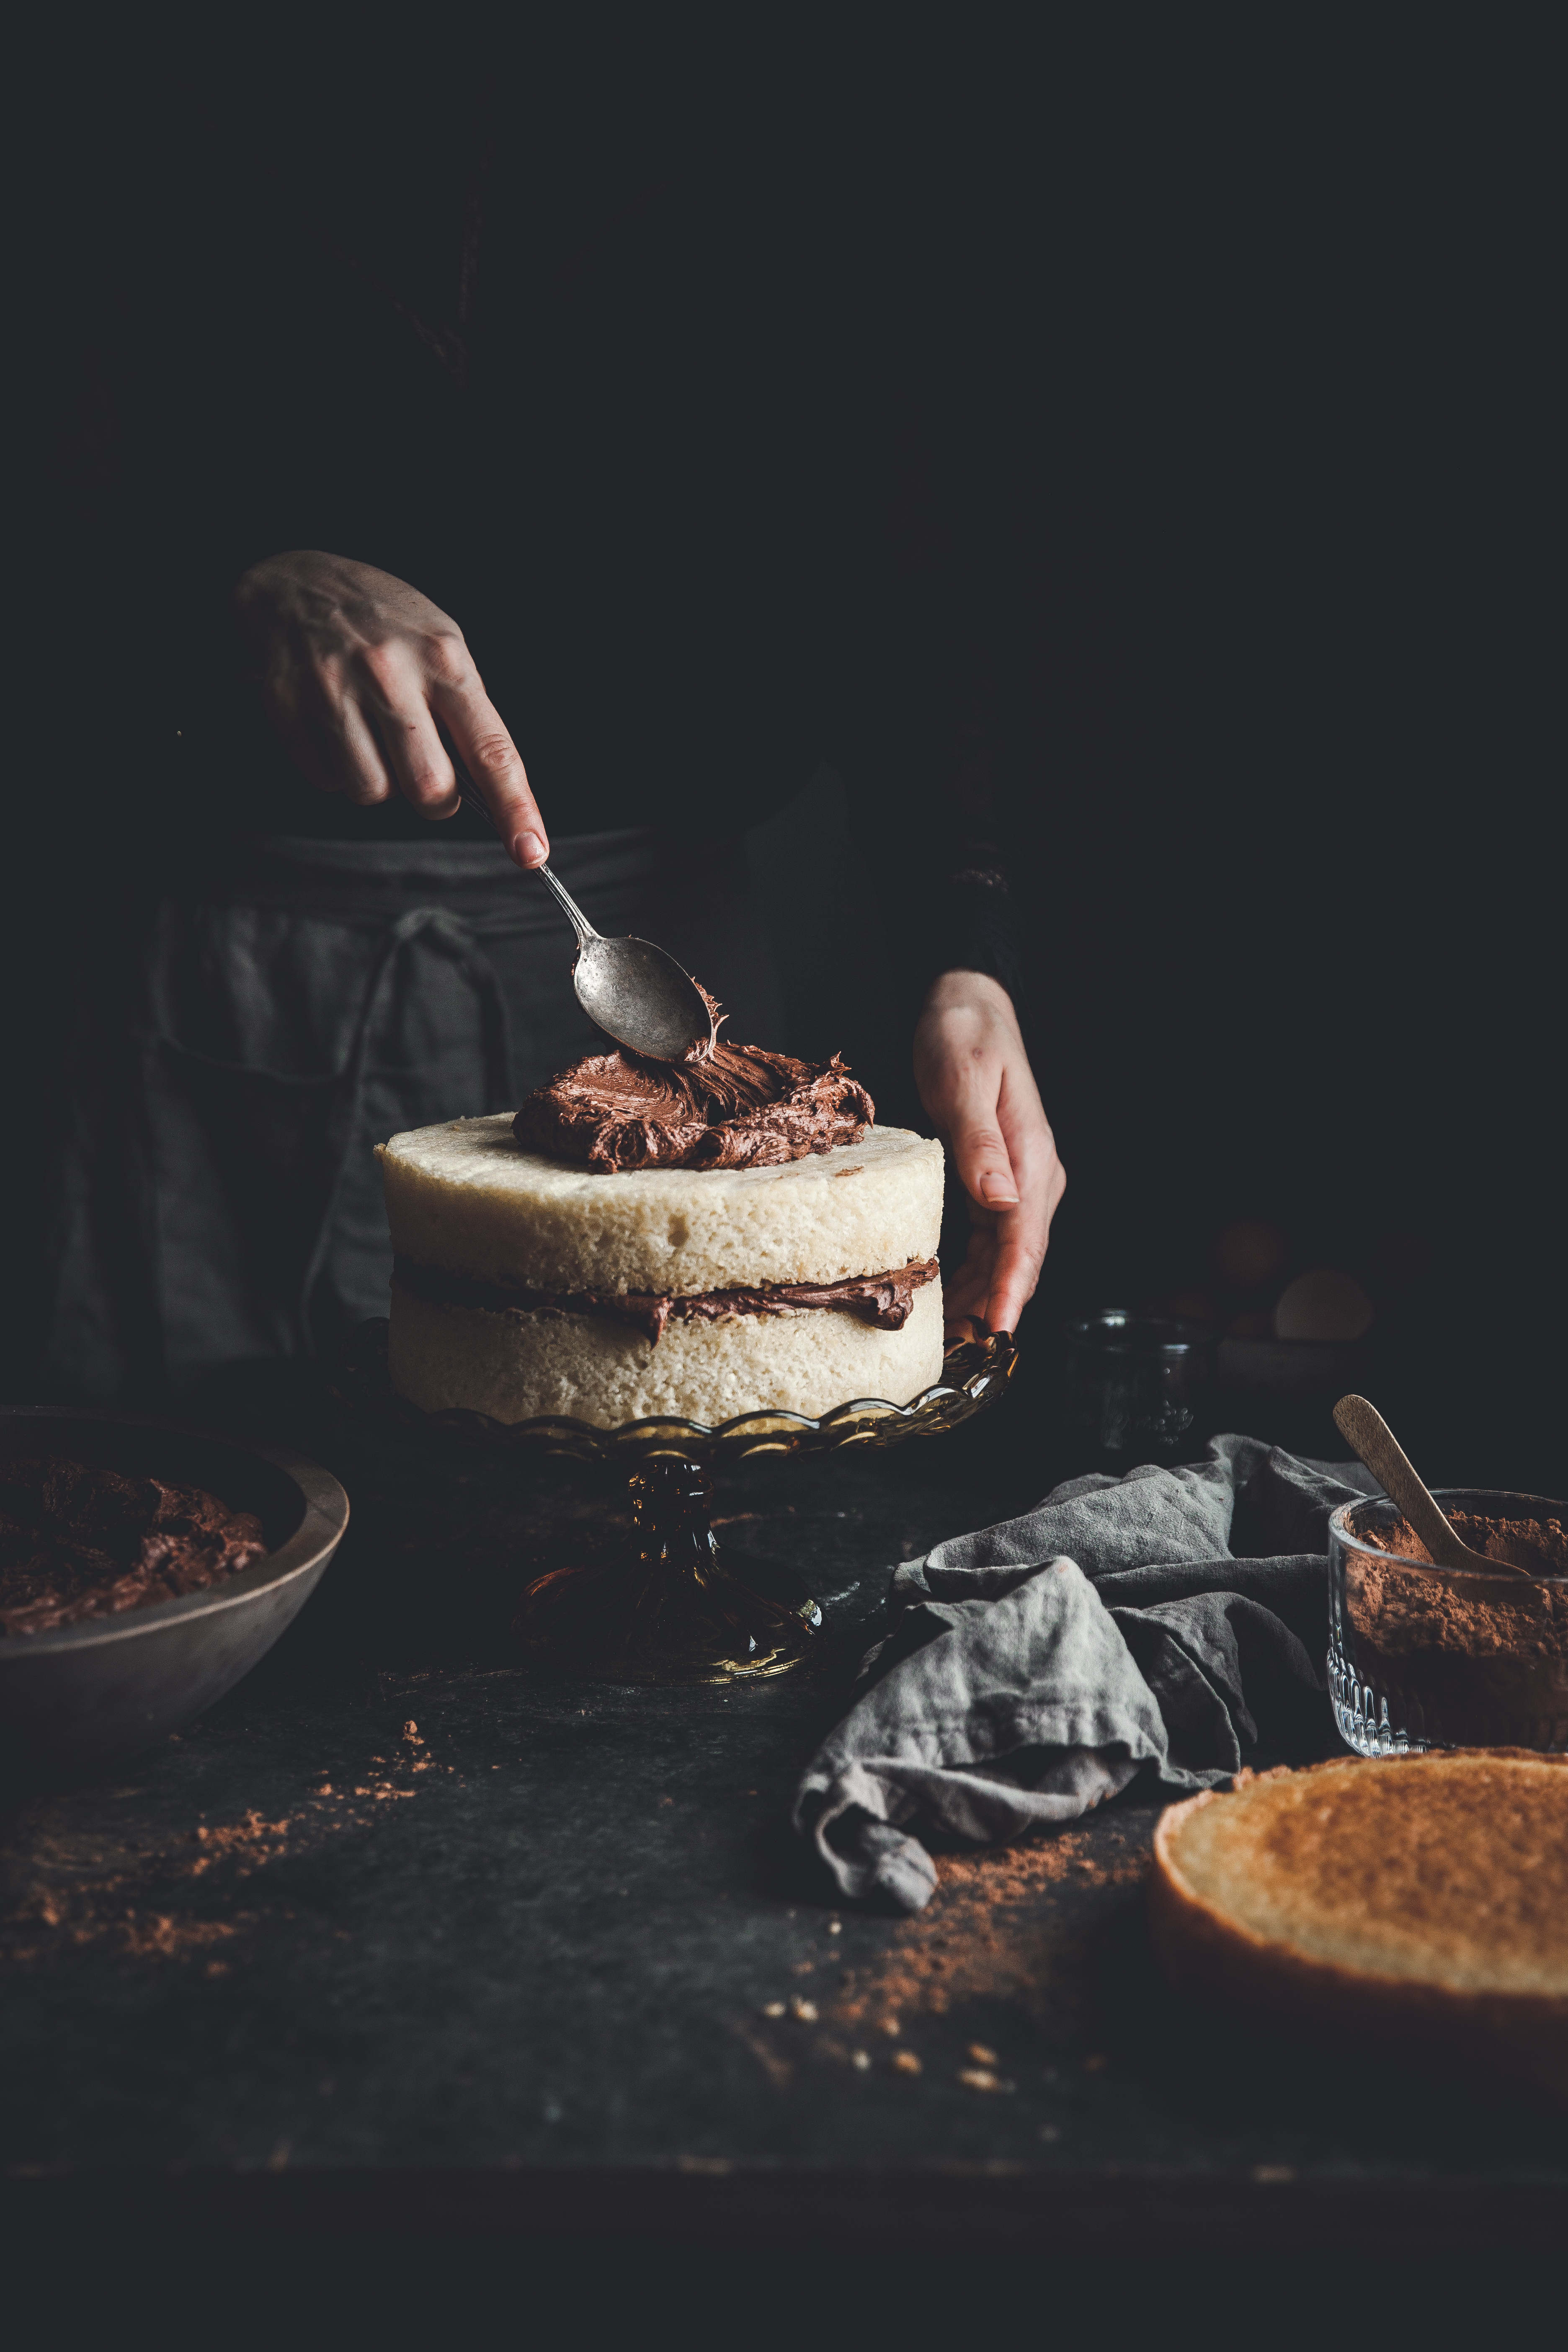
column 77, row 1542
column 883, row 1300
column 723, row 1107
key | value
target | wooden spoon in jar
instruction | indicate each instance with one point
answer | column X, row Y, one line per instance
column 1375, row 1443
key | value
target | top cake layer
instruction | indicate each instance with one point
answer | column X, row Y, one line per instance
column 469, row 1198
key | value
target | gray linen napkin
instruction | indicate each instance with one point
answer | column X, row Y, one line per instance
column 1032, row 1668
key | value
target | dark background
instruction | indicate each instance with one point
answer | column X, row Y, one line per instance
column 1207, row 382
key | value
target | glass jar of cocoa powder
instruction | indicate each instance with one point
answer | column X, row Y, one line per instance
column 1421, row 1656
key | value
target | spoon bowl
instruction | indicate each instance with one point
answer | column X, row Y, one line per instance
column 640, row 995
column 634, row 990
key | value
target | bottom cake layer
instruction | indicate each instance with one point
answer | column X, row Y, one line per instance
column 515, row 1366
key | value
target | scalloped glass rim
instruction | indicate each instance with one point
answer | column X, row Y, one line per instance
column 979, row 1372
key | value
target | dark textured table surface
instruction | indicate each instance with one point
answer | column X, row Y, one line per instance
column 400, row 1919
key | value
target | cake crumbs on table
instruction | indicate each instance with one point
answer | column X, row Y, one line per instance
column 979, row 1936
column 778, row 2070
column 150, row 1899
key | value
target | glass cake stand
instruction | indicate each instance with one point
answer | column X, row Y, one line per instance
column 666, row 1607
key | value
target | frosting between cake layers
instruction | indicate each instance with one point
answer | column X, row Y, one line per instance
column 723, row 1107
column 885, row 1299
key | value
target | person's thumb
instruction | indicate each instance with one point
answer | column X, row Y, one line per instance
column 983, row 1164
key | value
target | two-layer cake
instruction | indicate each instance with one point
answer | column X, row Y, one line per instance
column 727, row 1235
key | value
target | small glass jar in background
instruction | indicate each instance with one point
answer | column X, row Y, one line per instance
column 1138, row 1387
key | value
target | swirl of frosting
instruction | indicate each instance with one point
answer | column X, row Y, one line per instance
column 723, row 1107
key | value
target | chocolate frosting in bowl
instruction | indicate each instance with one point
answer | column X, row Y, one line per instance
column 722, row 1107
column 77, row 1542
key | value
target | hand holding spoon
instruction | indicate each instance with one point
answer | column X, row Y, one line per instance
column 1372, row 1440
column 637, row 994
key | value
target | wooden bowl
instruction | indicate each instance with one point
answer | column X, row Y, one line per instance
column 82, row 1699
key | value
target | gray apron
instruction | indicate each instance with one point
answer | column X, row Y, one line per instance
column 293, row 1005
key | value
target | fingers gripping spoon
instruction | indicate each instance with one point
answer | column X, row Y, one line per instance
column 1375, row 1443
column 637, row 994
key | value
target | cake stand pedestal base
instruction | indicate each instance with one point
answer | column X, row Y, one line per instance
column 668, row 1608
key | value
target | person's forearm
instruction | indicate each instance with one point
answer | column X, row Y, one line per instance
column 924, row 815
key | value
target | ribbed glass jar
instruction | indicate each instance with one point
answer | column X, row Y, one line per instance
column 1435, row 1657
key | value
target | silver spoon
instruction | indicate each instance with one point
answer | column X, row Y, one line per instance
column 637, row 994
column 1375, row 1444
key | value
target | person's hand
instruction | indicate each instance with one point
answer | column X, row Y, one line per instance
column 979, row 1092
column 362, row 674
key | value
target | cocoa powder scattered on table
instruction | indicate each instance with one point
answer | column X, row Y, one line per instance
column 979, row 1937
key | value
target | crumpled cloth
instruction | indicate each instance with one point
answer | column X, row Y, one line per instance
column 1169, row 1618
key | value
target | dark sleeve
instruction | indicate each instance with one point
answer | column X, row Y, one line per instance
column 277, row 401
column 329, row 426
column 926, row 759
column 929, row 702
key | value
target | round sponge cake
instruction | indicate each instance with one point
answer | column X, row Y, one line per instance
column 1410, row 1903
column 467, row 1201
column 467, row 1198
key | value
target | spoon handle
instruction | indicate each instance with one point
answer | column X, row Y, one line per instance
column 1375, row 1444
column 568, row 905
column 471, row 800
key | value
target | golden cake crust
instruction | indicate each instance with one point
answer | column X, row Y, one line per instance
column 1419, row 1901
